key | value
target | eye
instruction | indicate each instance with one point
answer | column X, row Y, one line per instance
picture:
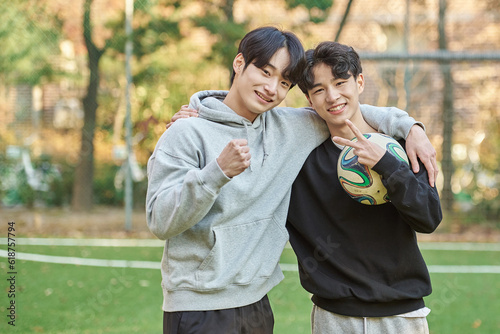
column 285, row 84
column 340, row 83
column 317, row 91
column 266, row 72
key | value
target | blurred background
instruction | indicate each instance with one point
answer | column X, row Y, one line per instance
column 87, row 87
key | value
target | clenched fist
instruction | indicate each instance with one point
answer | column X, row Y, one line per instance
column 235, row 157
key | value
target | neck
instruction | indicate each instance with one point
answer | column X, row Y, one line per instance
column 234, row 101
column 345, row 131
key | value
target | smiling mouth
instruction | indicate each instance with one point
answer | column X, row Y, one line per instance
column 263, row 97
column 337, row 108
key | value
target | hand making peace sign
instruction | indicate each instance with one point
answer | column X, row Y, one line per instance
column 368, row 152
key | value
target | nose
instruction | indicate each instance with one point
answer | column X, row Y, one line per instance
column 332, row 95
column 271, row 86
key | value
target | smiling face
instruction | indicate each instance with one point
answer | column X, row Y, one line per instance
column 335, row 99
column 257, row 90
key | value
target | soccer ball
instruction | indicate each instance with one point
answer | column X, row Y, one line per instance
column 360, row 182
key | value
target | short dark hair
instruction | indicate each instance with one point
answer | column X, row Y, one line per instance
column 259, row 46
column 342, row 59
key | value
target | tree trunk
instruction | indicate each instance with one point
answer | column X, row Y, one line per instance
column 84, row 171
column 344, row 20
column 448, row 114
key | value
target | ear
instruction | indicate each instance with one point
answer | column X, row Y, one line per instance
column 360, row 81
column 238, row 63
column 309, row 99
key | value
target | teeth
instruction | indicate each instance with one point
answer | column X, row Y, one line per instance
column 337, row 108
column 262, row 97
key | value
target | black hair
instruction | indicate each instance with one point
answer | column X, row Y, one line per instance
column 259, row 46
column 342, row 59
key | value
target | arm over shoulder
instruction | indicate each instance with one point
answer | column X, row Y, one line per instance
column 390, row 120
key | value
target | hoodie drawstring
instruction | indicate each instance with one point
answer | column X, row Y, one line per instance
column 264, row 139
column 264, row 143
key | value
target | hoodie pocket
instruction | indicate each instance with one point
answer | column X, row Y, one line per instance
column 242, row 254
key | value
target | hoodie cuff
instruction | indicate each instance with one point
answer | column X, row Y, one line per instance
column 212, row 177
column 407, row 132
column 387, row 165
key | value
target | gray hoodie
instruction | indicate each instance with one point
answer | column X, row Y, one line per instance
column 224, row 237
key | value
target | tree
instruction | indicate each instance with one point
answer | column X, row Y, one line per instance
column 318, row 11
column 84, row 171
column 344, row 20
column 219, row 21
column 448, row 114
column 150, row 27
column 30, row 39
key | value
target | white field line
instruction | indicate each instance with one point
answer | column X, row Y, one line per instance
column 451, row 246
column 460, row 246
column 156, row 265
column 87, row 242
column 159, row 243
column 83, row 261
column 433, row 269
column 464, row 269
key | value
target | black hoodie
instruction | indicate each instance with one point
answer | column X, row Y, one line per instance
column 356, row 259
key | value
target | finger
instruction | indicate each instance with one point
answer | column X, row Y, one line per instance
column 345, row 142
column 187, row 108
column 432, row 170
column 432, row 180
column 240, row 142
column 185, row 114
column 244, row 149
column 355, row 130
column 413, row 161
column 436, row 170
column 189, row 111
column 341, row 141
column 177, row 116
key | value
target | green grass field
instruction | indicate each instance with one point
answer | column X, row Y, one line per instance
column 68, row 298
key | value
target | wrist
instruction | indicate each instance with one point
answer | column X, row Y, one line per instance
column 416, row 128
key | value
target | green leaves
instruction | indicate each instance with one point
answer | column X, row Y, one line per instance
column 28, row 43
column 318, row 9
column 227, row 34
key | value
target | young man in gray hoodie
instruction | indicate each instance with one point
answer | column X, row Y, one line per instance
column 219, row 188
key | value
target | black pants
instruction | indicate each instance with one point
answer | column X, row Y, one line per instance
column 256, row 318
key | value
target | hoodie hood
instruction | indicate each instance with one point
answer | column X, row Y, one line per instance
column 210, row 106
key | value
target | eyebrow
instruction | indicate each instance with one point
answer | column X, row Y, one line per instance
column 271, row 65
column 276, row 69
column 333, row 80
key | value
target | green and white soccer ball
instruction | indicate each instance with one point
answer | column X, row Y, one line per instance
column 360, row 182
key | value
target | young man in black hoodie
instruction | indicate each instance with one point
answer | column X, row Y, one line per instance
column 360, row 262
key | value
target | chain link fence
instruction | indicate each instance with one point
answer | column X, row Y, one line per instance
column 182, row 47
